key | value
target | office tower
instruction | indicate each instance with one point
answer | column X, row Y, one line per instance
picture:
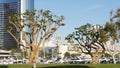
column 8, row 7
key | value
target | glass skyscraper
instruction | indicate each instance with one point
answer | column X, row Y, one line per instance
column 7, row 7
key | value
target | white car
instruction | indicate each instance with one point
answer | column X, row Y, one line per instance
column 76, row 61
column 104, row 60
column 49, row 62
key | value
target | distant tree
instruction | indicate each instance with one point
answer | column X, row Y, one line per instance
column 41, row 54
column 112, row 29
column 14, row 51
column 90, row 40
column 73, row 55
column 56, row 52
column 3, row 48
column 35, row 27
column 107, row 55
column 44, row 54
column 67, row 55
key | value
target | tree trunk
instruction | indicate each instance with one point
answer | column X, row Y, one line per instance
column 113, row 56
column 34, row 65
column 33, row 54
column 33, row 57
column 95, row 58
column 114, row 49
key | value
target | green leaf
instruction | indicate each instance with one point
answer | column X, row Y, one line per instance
column 22, row 26
column 27, row 33
column 38, row 25
column 54, row 29
column 44, row 27
column 67, row 38
column 62, row 24
column 76, row 38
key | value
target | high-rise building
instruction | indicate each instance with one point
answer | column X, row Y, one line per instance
column 8, row 7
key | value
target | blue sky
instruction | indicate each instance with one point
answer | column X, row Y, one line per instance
column 78, row 12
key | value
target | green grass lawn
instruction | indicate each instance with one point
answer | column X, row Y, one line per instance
column 64, row 66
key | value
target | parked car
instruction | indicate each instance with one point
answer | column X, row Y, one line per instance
column 76, row 61
column 88, row 60
column 116, row 59
column 62, row 61
column 104, row 60
column 49, row 62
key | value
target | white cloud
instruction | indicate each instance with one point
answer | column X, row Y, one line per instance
column 94, row 7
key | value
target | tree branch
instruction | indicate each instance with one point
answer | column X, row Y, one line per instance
column 17, row 40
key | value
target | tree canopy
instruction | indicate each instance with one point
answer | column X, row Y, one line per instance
column 33, row 29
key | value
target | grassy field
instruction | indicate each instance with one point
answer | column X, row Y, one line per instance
column 64, row 66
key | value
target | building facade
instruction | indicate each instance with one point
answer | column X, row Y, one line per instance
column 8, row 7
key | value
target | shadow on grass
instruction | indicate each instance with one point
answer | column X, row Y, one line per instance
column 3, row 66
column 68, row 66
